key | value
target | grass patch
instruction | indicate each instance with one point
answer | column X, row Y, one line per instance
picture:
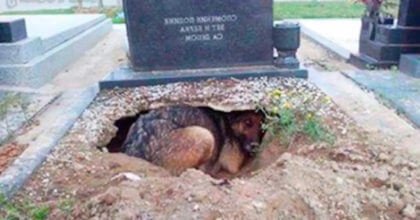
column 109, row 12
column 41, row 12
column 316, row 9
column 281, row 10
column 22, row 210
column 117, row 20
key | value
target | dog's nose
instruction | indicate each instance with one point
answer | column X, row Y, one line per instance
column 254, row 144
column 251, row 147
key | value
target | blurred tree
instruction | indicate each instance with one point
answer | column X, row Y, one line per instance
column 79, row 4
column 373, row 6
column 377, row 8
column 101, row 4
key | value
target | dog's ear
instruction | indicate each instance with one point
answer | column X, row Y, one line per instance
column 231, row 117
column 234, row 117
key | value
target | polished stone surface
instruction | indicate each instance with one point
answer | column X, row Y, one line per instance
column 191, row 34
column 12, row 30
column 409, row 13
column 125, row 77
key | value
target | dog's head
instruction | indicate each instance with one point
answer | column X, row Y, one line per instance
column 247, row 128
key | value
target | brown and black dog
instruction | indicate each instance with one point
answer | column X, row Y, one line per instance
column 182, row 137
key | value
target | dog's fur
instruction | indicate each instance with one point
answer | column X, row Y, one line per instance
column 182, row 137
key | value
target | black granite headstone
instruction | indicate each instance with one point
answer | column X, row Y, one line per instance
column 193, row 40
column 382, row 44
column 12, row 30
column 191, row 34
column 409, row 13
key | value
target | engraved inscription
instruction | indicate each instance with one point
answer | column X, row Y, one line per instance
column 202, row 28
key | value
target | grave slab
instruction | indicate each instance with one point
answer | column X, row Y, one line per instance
column 386, row 52
column 45, row 32
column 395, row 34
column 410, row 64
column 127, row 77
column 402, row 92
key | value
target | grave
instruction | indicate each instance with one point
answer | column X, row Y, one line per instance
column 382, row 43
column 32, row 54
column 190, row 40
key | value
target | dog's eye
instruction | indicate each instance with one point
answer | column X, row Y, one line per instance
column 249, row 123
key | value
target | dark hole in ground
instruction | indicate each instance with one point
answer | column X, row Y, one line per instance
column 124, row 124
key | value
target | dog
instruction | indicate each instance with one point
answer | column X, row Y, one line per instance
column 182, row 137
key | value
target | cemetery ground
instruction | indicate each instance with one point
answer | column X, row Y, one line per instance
column 340, row 154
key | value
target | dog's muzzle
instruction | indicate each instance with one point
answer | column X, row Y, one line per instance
column 252, row 147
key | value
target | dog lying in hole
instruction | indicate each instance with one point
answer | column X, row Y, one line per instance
column 182, row 137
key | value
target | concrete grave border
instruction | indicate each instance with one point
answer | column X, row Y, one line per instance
column 36, row 61
column 72, row 105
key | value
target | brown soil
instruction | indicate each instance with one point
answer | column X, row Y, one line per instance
column 8, row 154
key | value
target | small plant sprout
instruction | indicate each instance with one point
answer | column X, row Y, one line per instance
column 8, row 103
column 12, row 108
column 24, row 105
column 287, row 116
column 22, row 210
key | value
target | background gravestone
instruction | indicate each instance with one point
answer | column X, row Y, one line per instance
column 382, row 44
column 409, row 13
column 53, row 42
column 12, row 30
column 187, row 34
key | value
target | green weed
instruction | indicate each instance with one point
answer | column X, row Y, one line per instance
column 287, row 117
column 22, row 210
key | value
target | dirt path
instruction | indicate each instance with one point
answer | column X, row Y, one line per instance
column 315, row 56
column 360, row 105
column 95, row 64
